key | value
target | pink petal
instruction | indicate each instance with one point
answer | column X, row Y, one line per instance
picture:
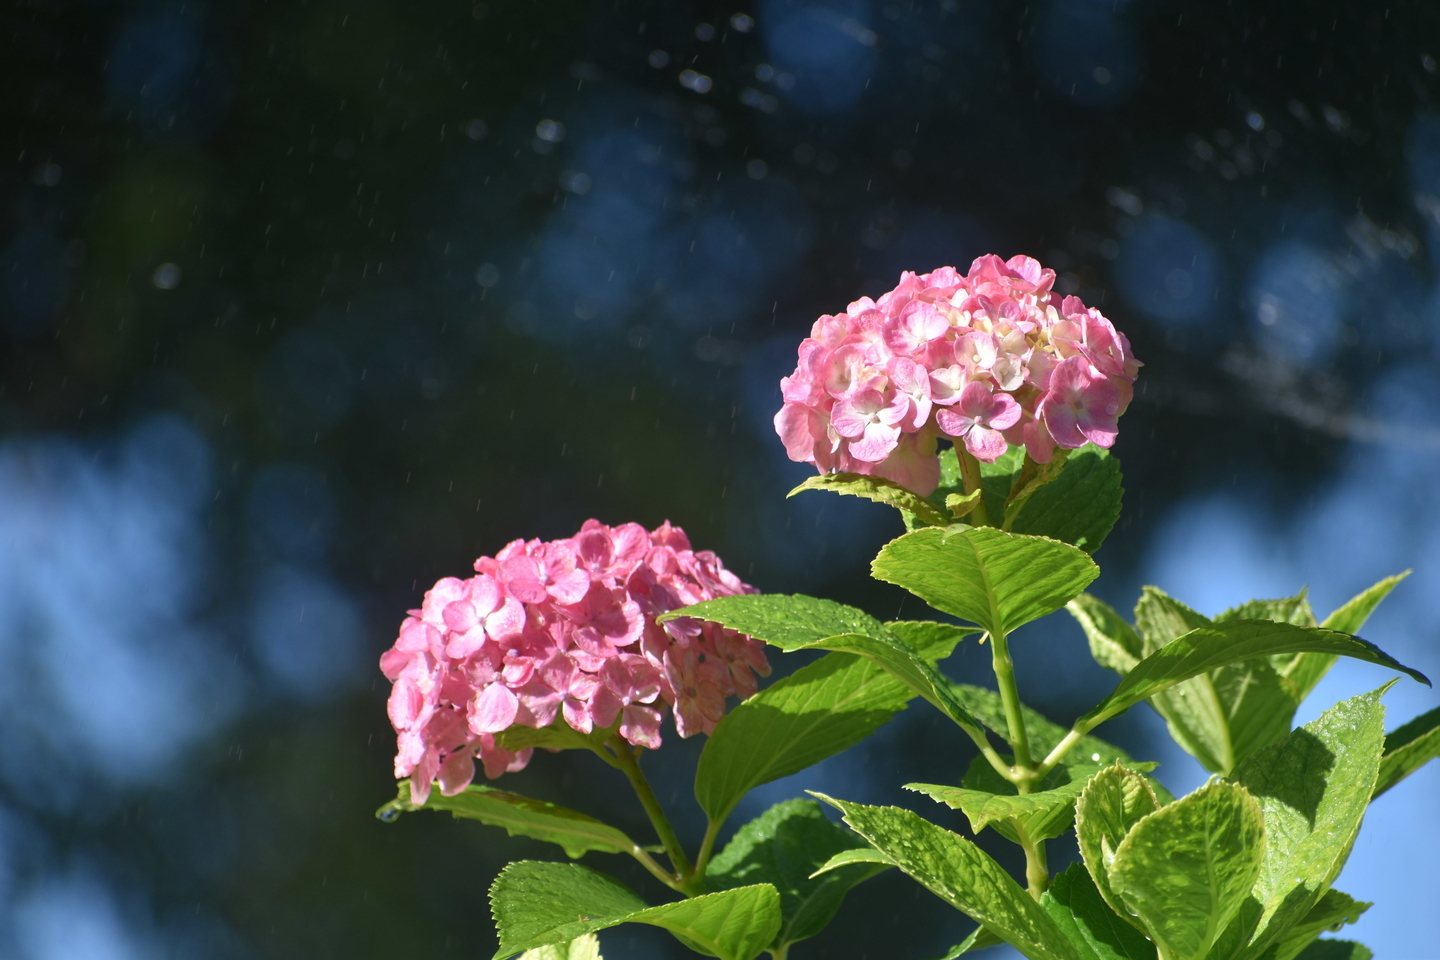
column 985, row 444
column 494, row 709
column 457, row 772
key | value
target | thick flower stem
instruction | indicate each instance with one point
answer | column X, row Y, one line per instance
column 707, row 846
column 970, row 473
column 625, row 760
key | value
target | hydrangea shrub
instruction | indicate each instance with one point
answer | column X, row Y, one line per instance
column 956, row 399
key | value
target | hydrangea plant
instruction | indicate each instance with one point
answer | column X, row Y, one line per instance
column 586, row 643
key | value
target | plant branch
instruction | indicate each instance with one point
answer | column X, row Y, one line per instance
column 1062, row 748
column 625, row 760
column 707, row 846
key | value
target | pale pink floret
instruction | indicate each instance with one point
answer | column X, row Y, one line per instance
column 874, row 387
column 562, row 630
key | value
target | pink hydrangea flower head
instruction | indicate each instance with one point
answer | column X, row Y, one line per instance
column 989, row 358
column 566, row 630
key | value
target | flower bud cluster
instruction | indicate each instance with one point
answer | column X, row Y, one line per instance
column 563, row 629
column 988, row 359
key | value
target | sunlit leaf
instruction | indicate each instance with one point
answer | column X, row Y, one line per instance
column 1080, row 505
column 584, row 948
column 538, row 904
column 998, row 580
column 1186, row 869
column 962, row 875
column 1313, row 787
column 1112, row 802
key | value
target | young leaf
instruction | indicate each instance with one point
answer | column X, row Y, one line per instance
column 962, row 875
column 787, row 622
column 1408, row 749
column 878, row 489
column 995, row 579
column 1186, row 869
column 818, row 711
column 996, row 480
column 1305, row 670
column 1112, row 802
column 538, row 904
column 1079, row 910
column 1209, row 647
column 1333, row 911
column 1080, row 506
column 783, row 847
column 1044, row 735
column 932, row 641
column 1335, row 950
column 584, row 948
column 1113, row 642
column 558, row 736
column 1313, row 787
column 521, row 816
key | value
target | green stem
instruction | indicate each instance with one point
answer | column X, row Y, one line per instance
column 707, row 846
column 626, row 761
column 1037, row 872
column 1010, row 699
column 988, row 752
column 1063, row 747
column 970, row 473
column 780, row 952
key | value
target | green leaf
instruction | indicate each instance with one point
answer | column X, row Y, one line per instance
column 1186, row 869
column 783, row 847
column 1112, row 802
column 962, row 875
column 1351, row 616
column 1209, row 647
column 788, row 622
column 1294, row 610
column 932, row 641
column 538, row 904
column 521, row 816
column 1087, row 920
column 585, row 948
column 1113, row 642
column 979, row 939
column 903, row 663
column 1197, row 719
column 1335, row 950
column 878, row 489
column 1313, row 787
column 1307, row 669
column 865, row 854
column 988, row 799
column 1333, row 911
column 1408, row 749
column 1080, row 506
column 998, row 580
column 1044, row 734
column 818, row 711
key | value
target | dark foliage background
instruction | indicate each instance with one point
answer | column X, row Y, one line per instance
column 307, row 304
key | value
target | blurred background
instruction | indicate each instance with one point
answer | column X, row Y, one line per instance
column 304, row 305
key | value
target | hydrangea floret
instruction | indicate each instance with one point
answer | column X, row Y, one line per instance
column 566, row 629
column 986, row 359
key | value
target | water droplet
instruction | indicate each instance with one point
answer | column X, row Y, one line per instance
column 389, row 814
